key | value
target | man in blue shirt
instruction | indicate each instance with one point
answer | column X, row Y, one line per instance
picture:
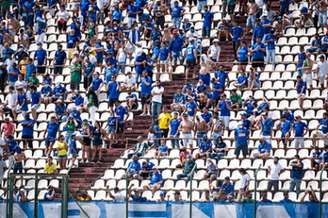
column 258, row 53
column 285, row 128
column 226, row 191
column 225, row 107
column 145, row 93
column 300, row 129
column 173, row 129
column 241, row 140
column 205, row 146
column 27, row 131
column 60, row 59
column 266, row 127
column 156, row 181
column 269, row 41
column 236, row 34
column 207, row 22
column 222, row 76
column 176, row 14
column 134, row 167
column 176, row 45
column 113, row 92
column 296, row 174
column 35, row 101
column 190, row 55
column 51, row 134
column 123, row 114
column 301, row 87
column 264, row 149
column 322, row 130
column 40, row 56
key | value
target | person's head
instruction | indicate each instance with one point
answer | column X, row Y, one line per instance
column 11, row 89
column 322, row 58
column 61, row 138
column 175, row 114
column 297, row 157
column 158, row 83
column 286, row 195
column 162, row 196
column 177, row 196
column 223, row 97
column 49, row 160
column 242, row 171
column 39, row 45
column 262, row 140
column 258, row 39
column 163, row 142
column 205, row 8
column 275, row 160
column 185, row 116
column 298, row 118
column 140, row 139
column 135, row 158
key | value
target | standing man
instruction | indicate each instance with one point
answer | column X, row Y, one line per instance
column 241, row 140
column 322, row 70
column 296, row 174
column 275, row 169
column 156, row 100
column 300, row 129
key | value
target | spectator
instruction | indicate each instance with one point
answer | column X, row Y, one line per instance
column 226, row 191
column 146, row 84
column 188, row 167
column 19, row 157
column 258, row 53
column 214, row 51
column 7, row 129
column 40, row 56
column 316, row 158
column 296, row 174
column 264, row 149
column 122, row 115
column 112, row 127
column 76, row 71
column 225, row 107
column 156, row 181
column 139, row 148
column 266, row 127
column 134, row 167
column 322, row 70
column 164, row 121
column 61, row 147
column 162, row 150
column 274, row 169
column 207, row 22
column 85, row 140
column 269, row 41
column 324, row 158
column 157, row 95
column 312, row 196
column 117, row 196
column 219, row 149
column 307, row 70
column 236, row 34
column 244, row 183
column 236, row 100
column 211, row 170
column 27, row 132
column 185, row 128
column 285, row 128
column 241, row 81
column 3, row 165
column 300, row 129
column 146, row 169
column 205, row 147
column 176, row 14
column 50, row 167
column 301, row 87
column 50, row 194
column 97, row 141
column 241, row 140
column 321, row 131
column 173, row 130
column 315, row 44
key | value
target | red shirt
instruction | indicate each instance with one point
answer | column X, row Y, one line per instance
column 8, row 129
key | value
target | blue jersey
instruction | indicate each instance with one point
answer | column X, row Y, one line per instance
column 176, row 12
column 191, row 108
column 146, row 83
column 174, row 126
column 225, row 108
column 60, row 57
column 121, row 111
column 27, row 127
column 264, row 147
column 52, row 130
column 299, row 128
column 208, row 18
column 301, row 87
column 258, row 54
column 222, row 76
column 35, row 97
column 323, row 126
column 285, row 127
column 113, row 90
column 243, row 54
column 40, row 55
column 206, row 116
column 241, row 136
column 267, row 126
column 237, row 32
column 190, row 53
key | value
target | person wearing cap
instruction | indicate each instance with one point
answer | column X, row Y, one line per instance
column 214, row 51
column 241, row 135
column 188, row 166
column 40, row 56
column 299, row 129
column 322, row 70
column 226, row 190
column 296, row 174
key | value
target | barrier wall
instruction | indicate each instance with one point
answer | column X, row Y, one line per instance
column 105, row 209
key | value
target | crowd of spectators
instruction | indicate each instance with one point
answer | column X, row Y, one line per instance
column 31, row 76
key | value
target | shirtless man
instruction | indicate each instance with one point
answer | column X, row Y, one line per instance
column 186, row 127
column 201, row 129
column 252, row 9
column 19, row 157
column 307, row 69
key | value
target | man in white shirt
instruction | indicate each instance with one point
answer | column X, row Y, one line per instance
column 11, row 100
column 156, row 100
column 117, row 196
column 322, row 70
column 275, row 169
column 214, row 51
column 244, row 183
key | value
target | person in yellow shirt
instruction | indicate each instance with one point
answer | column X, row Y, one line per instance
column 164, row 121
column 61, row 147
column 50, row 167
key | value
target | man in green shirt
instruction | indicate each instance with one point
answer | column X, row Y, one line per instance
column 76, row 70
column 140, row 148
column 236, row 100
column 188, row 167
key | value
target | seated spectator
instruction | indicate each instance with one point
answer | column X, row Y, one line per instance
column 146, row 169
column 137, row 195
column 236, row 100
column 219, row 149
column 117, row 196
column 133, row 167
column 162, row 150
column 211, row 170
column 324, row 158
column 156, row 181
column 188, row 167
column 205, row 147
column 315, row 44
column 50, row 194
column 50, row 167
column 20, row 195
column 139, row 148
column 264, row 149
column 226, row 190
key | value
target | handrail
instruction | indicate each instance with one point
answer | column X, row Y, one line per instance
column 320, row 194
column 79, row 205
column 190, row 177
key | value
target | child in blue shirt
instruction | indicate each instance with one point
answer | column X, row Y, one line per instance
column 300, row 129
column 207, row 22
column 264, row 149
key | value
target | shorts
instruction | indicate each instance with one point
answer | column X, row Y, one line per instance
column 112, row 102
column 18, row 167
column 191, row 63
column 96, row 144
column 86, row 141
column 28, row 140
column 299, row 142
column 164, row 61
column 145, row 99
column 72, row 151
column 225, row 120
column 258, row 63
column 40, row 70
column 60, row 158
column 267, row 138
column 186, row 138
column 308, row 78
column 50, row 141
column 58, row 70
